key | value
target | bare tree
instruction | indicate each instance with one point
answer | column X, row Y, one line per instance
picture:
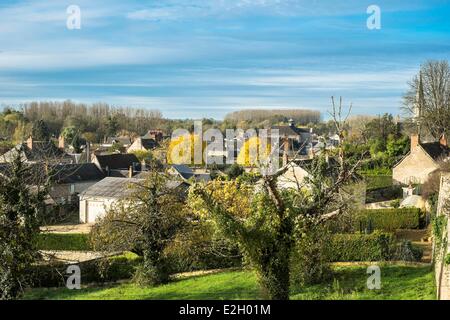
column 428, row 98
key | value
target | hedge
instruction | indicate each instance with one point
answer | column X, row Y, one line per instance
column 388, row 219
column 377, row 181
column 383, row 194
column 377, row 246
column 100, row 270
column 63, row 241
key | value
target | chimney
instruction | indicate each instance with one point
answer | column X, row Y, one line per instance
column 30, row 143
column 61, row 142
column 143, row 165
column 130, row 172
column 443, row 140
column 415, row 141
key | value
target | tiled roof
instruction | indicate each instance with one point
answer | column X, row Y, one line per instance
column 436, row 150
column 289, row 130
column 40, row 151
column 121, row 140
column 118, row 161
column 117, row 188
column 148, row 143
column 72, row 173
column 60, row 173
column 111, row 187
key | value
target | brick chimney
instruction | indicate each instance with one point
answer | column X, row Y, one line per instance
column 61, row 142
column 415, row 141
column 443, row 141
column 30, row 143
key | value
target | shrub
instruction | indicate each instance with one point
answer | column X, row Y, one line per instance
column 405, row 251
column 389, row 219
column 99, row 270
column 201, row 249
column 310, row 258
column 377, row 246
column 377, row 181
column 63, row 241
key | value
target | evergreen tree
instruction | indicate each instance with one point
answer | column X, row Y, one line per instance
column 40, row 131
column 20, row 204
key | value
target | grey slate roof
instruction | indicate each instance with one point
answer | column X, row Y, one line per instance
column 73, row 173
column 111, row 187
column 148, row 143
column 121, row 140
column 60, row 173
column 118, row 161
column 289, row 130
column 436, row 150
column 116, row 188
column 186, row 173
column 41, row 151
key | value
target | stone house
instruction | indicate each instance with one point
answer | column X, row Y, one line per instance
column 142, row 144
column 422, row 160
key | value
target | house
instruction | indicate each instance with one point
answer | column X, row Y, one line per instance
column 294, row 175
column 422, row 160
column 295, row 140
column 98, row 199
column 110, row 141
column 156, row 135
column 142, row 144
column 72, row 179
column 68, row 180
column 36, row 152
column 117, row 164
column 185, row 173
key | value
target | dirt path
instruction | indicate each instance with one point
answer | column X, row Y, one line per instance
column 68, row 228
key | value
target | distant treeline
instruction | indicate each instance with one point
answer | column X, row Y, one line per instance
column 95, row 121
column 300, row 116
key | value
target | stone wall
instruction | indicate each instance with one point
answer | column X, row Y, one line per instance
column 442, row 271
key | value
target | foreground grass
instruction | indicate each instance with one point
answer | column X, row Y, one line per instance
column 399, row 282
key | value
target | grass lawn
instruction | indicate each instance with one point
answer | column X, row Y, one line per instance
column 63, row 241
column 399, row 282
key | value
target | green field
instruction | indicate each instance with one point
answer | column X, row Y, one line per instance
column 399, row 282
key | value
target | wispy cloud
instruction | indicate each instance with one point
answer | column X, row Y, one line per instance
column 203, row 58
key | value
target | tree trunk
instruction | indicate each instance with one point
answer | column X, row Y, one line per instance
column 275, row 278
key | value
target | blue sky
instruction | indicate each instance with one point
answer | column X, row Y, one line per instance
column 194, row 59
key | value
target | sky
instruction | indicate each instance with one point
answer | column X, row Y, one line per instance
column 205, row 58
